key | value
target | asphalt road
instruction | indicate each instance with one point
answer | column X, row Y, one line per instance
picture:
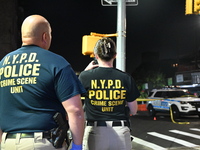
column 161, row 133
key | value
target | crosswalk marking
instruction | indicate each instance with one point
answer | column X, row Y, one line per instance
column 169, row 138
column 185, row 133
column 195, row 129
column 147, row 144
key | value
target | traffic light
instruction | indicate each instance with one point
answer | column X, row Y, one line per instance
column 88, row 44
column 188, row 7
column 196, row 6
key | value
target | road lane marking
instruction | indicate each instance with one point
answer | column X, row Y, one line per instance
column 185, row 133
column 195, row 129
column 173, row 139
column 147, row 144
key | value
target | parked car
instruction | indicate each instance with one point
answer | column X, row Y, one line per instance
column 179, row 101
column 194, row 89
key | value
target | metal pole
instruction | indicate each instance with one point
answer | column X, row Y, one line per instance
column 121, row 32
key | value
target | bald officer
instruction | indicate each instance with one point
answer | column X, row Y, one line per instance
column 35, row 84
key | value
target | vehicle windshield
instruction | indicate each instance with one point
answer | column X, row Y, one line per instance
column 171, row 94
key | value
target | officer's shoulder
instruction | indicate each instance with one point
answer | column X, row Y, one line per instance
column 87, row 72
column 122, row 72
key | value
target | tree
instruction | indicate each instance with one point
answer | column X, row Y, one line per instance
column 156, row 79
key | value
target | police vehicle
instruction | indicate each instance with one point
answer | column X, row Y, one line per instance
column 178, row 101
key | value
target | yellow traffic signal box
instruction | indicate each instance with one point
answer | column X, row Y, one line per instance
column 188, row 7
column 88, row 44
column 196, row 6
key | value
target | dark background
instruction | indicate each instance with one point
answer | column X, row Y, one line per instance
column 159, row 26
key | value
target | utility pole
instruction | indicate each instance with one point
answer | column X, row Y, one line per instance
column 121, row 28
column 89, row 41
column 121, row 35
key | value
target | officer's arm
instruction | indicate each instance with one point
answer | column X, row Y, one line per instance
column 0, row 134
column 91, row 65
column 133, row 107
column 74, row 109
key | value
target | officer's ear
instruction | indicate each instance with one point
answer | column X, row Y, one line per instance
column 44, row 37
column 96, row 56
column 115, row 56
column 46, row 40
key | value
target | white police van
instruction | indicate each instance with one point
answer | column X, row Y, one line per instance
column 179, row 101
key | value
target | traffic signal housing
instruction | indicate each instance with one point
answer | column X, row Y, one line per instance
column 188, row 7
column 88, row 44
column 196, row 6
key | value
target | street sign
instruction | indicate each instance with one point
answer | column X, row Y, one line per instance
column 114, row 2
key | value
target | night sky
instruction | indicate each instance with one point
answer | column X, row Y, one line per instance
column 154, row 25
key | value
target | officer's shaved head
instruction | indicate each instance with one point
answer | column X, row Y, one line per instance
column 36, row 30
